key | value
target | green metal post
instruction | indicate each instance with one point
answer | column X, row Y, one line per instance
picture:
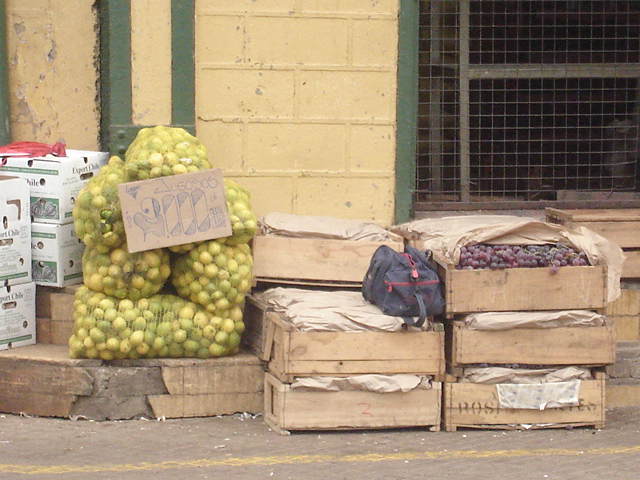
column 183, row 64
column 115, row 75
column 406, row 108
column 115, row 71
column 5, row 126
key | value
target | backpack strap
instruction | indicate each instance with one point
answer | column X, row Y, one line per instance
column 423, row 313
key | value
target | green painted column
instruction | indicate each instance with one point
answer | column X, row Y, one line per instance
column 406, row 109
column 117, row 129
column 5, row 126
column 183, row 64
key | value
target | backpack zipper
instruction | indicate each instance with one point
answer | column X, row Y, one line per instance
column 390, row 285
column 412, row 264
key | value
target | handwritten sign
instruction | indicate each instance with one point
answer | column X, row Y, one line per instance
column 174, row 210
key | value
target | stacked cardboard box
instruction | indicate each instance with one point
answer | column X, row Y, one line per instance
column 54, row 184
column 17, row 291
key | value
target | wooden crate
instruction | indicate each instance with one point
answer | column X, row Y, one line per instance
column 291, row 353
column 42, row 380
column 54, row 314
column 286, row 409
column 312, row 261
column 522, row 289
column 533, row 346
column 625, row 315
column 474, row 405
column 621, row 226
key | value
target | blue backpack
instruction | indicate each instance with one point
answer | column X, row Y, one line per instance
column 403, row 284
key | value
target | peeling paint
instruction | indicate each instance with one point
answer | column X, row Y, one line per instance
column 51, row 47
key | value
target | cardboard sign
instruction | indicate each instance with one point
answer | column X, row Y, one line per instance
column 174, row 210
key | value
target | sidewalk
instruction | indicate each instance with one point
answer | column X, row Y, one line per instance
column 237, row 447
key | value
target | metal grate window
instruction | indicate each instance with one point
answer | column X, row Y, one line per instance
column 528, row 100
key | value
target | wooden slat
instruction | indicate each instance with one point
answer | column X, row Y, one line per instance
column 627, row 304
column 183, row 406
column 522, row 289
column 627, row 328
column 631, row 266
column 50, row 354
column 62, row 306
column 347, row 410
column 344, row 353
column 313, row 259
column 402, row 345
column 55, row 303
column 37, row 377
column 595, row 215
column 621, row 395
column 32, row 403
column 264, row 281
column 61, row 330
column 43, row 330
column 469, row 404
column 624, row 234
column 253, row 336
column 198, row 380
column 549, row 346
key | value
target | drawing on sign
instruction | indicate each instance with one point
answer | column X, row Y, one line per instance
column 176, row 214
column 174, row 210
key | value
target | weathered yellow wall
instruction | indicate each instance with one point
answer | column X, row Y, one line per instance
column 52, row 72
column 295, row 99
column 151, row 62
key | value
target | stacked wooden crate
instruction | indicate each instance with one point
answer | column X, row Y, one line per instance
column 313, row 261
column 476, row 405
column 290, row 354
column 621, row 226
column 54, row 314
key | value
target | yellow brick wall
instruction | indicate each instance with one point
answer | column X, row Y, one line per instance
column 52, row 71
column 296, row 100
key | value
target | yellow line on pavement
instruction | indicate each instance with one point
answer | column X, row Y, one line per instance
column 305, row 459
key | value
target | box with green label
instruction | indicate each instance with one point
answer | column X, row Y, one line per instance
column 15, row 231
column 17, row 315
column 56, row 255
column 54, row 182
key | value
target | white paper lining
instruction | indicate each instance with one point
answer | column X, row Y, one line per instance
column 337, row 311
column 543, row 319
column 367, row 383
column 540, row 396
column 495, row 375
column 446, row 236
column 304, row 226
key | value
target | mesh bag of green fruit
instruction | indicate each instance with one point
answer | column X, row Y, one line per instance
column 97, row 215
column 214, row 275
column 121, row 274
column 244, row 222
column 160, row 326
column 162, row 151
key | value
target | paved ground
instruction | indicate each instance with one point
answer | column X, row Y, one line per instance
column 244, row 448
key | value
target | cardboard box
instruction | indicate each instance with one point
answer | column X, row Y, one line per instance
column 168, row 211
column 56, row 255
column 17, row 315
column 55, row 181
column 15, row 231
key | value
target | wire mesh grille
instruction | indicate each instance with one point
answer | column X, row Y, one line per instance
column 527, row 100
